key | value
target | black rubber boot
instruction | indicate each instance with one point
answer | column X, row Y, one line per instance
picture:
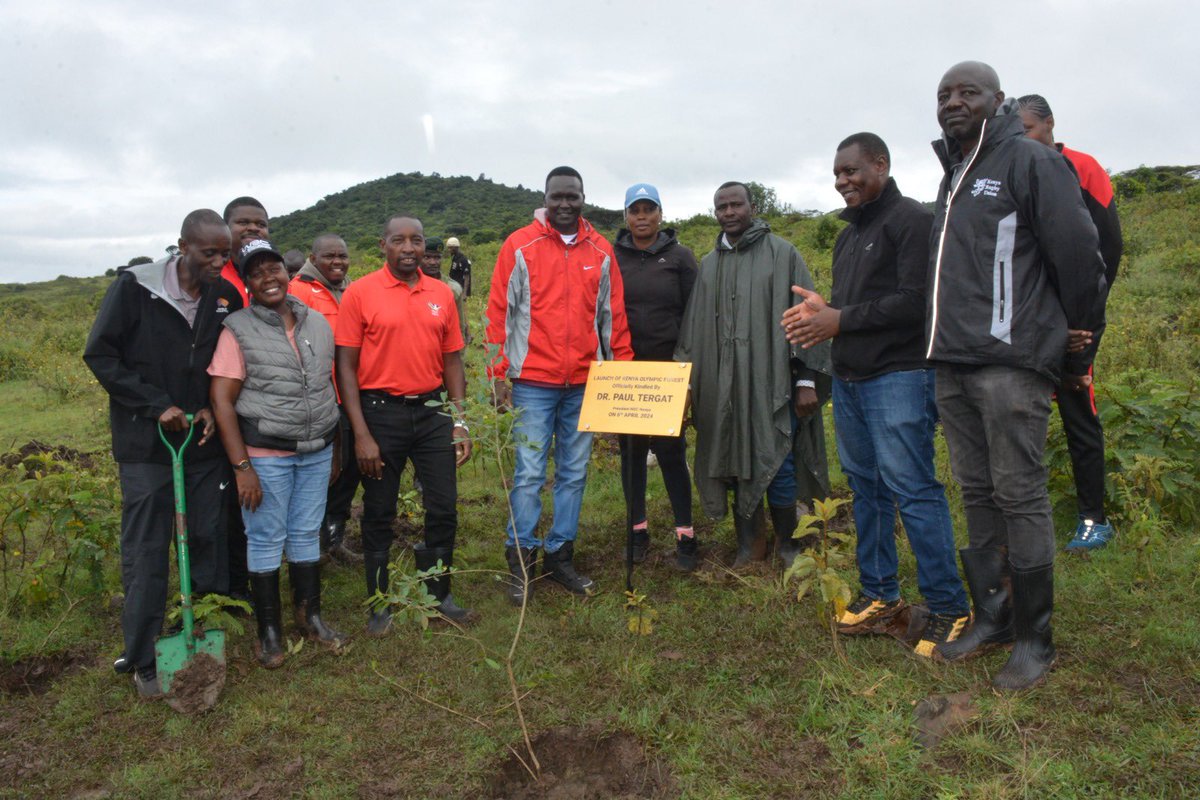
column 376, row 567
column 785, row 521
column 559, row 567
column 268, row 646
column 439, row 587
column 333, row 542
column 520, row 581
column 751, row 537
column 992, row 623
column 306, row 602
column 1033, row 654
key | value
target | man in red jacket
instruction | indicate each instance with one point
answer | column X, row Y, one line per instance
column 247, row 221
column 556, row 305
column 319, row 285
column 1077, row 405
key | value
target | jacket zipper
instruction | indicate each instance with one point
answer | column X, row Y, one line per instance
column 1003, row 299
column 937, row 264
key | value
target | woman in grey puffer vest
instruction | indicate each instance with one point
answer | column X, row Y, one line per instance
column 276, row 410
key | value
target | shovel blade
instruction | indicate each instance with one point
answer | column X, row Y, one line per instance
column 191, row 680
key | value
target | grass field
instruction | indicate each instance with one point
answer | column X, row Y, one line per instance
column 737, row 692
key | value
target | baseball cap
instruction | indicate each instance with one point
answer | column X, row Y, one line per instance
column 452, row 242
column 641, row 191
column 433, row 244
column 253, row 251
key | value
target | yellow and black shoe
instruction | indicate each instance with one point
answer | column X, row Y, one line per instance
column 868, row 615
column 940, row 629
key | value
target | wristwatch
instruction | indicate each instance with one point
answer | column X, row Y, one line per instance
column 242, row 465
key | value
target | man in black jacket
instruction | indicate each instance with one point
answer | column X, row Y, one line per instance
column 1015, row 265
column 883, row 393
column 149, row 348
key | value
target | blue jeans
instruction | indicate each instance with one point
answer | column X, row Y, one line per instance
column 544, row 413
column 293, row 506
column 885, row 431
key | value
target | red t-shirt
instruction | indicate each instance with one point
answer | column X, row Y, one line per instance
column 402, row 333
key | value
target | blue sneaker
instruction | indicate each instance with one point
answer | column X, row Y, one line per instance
column 1090, row 535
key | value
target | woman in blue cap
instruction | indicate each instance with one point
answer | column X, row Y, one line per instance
column 658, row 273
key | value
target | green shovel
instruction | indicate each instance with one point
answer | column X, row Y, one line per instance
column 191, row 666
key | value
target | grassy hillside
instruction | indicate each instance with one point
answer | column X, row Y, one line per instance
column 736, row 692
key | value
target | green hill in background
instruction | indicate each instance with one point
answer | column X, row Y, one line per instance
column 476, row 210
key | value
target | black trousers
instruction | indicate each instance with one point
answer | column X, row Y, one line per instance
column 341, row 492
column 147, row 531
column 404, row 433
column 1085, row 442
column 671, row 452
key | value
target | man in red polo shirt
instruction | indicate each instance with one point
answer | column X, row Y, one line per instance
column 320, row 284
column 398, row 345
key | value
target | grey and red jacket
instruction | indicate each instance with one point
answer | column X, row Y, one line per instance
column 658, row 282
column 1014, row 256
column 147, row 358
column 555, row 309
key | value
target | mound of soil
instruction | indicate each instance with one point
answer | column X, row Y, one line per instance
column 36, row 674
column 22, row 456
column 196, row 687
column 584, row 764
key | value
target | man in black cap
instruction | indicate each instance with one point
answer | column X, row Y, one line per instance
column 431, row 265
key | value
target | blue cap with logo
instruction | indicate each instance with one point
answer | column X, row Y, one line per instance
column 641, row 191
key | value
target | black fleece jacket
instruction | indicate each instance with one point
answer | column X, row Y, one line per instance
column 880, row 266
column 147, row 358
column 658, row 282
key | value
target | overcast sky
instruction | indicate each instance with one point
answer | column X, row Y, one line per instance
column 118, row 118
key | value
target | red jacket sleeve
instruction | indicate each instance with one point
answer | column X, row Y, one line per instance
column 497, row 310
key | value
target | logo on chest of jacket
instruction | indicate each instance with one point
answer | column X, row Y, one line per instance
column 434, row 308
column 988, row 187
column 589, row 266
column 867, row 249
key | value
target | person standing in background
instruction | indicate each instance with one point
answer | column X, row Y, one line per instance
column 1077, row 406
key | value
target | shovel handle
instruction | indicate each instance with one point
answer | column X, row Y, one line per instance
column 181, row 534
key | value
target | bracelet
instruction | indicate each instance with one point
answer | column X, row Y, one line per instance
column 463, row 425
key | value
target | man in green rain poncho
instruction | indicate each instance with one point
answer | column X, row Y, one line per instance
column 756, row 401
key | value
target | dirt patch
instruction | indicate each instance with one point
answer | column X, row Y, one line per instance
column 33, row 453
column 36, row 674
column 195, row 688
column 940, row 715
column 585, row 764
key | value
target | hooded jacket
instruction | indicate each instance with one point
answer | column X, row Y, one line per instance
column 1015, row 258
column 311, row 288
column 147, row 358
column 658, row 282
column 744, row 370
column 554, row 309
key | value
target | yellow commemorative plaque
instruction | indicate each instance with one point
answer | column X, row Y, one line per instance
column 642, row 397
